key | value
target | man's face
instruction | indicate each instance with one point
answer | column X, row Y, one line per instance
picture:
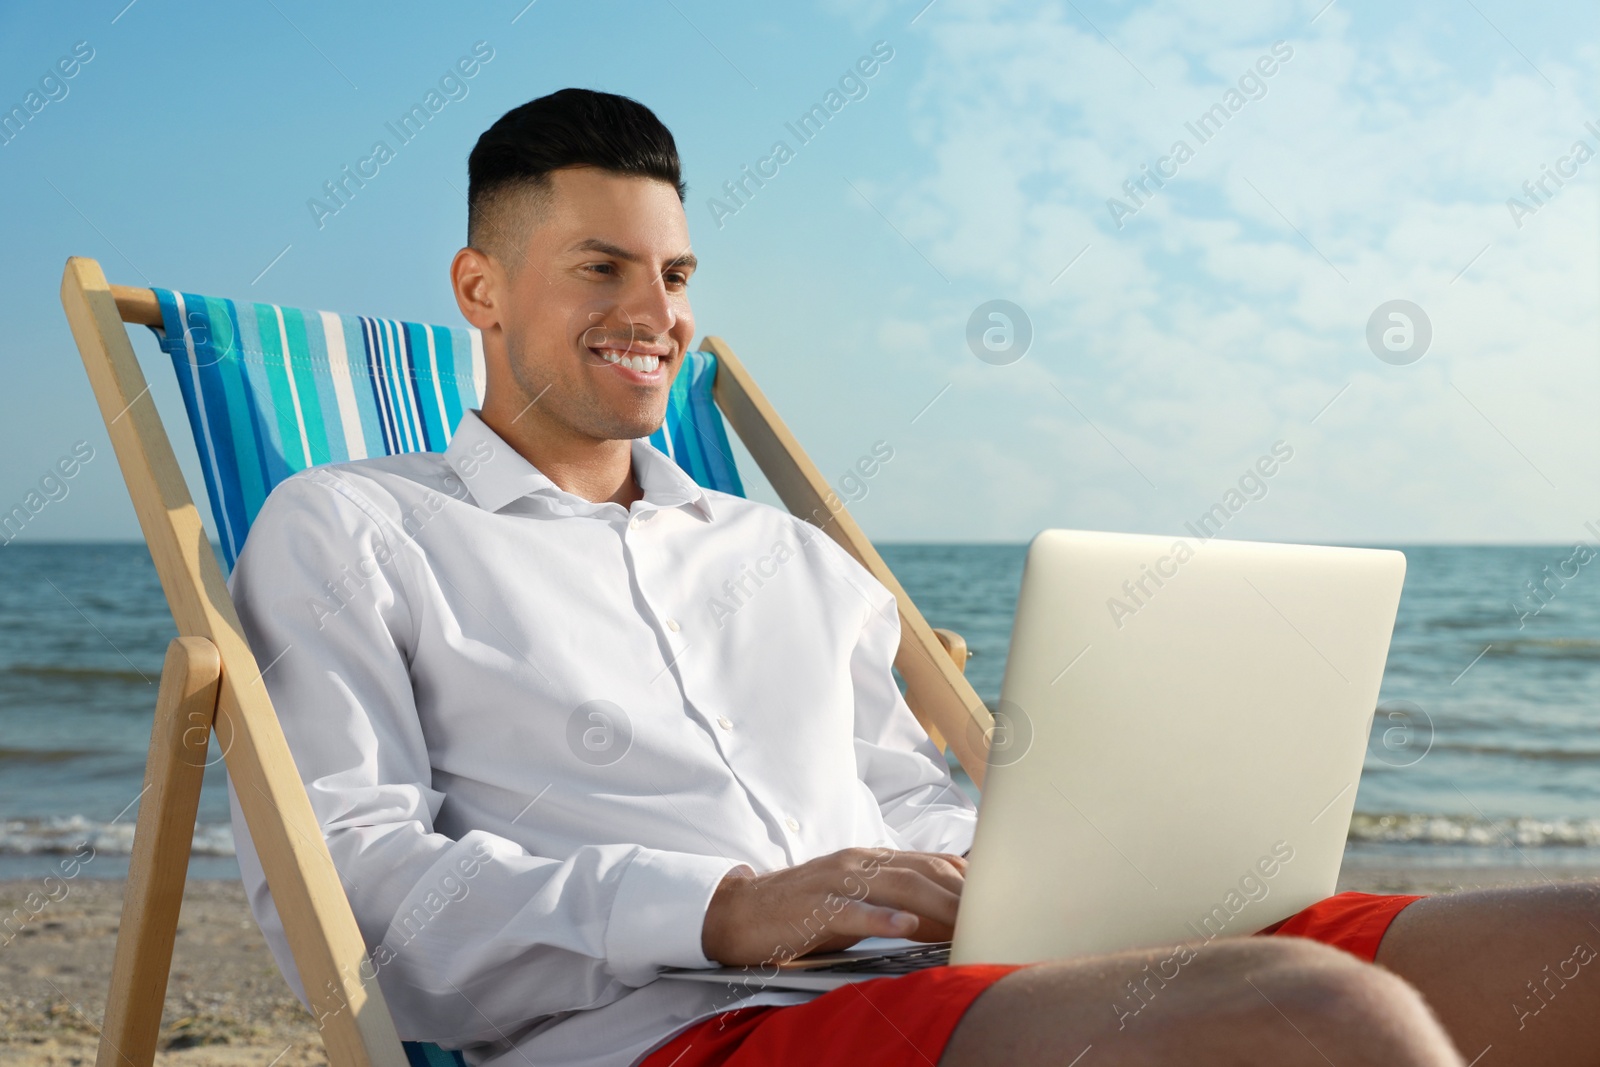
column 597, row 318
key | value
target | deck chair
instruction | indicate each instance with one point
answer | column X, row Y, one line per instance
column 271, row 390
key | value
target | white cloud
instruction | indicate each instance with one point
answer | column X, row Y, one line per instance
column 1211, row 325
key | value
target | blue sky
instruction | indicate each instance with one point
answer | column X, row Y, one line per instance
column 1228, row 312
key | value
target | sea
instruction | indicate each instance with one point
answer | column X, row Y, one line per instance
column 1484, row 749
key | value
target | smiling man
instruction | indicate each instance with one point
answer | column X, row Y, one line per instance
column 546, row 772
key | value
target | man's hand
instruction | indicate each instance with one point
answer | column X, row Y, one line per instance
column 831, row 903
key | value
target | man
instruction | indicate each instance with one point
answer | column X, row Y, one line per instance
column 546, row 768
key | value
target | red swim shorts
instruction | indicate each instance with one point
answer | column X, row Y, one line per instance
column 906, row 1021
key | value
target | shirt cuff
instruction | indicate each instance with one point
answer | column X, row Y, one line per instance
column 659, row 913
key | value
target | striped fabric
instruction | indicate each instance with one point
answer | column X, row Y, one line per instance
column 272, row 390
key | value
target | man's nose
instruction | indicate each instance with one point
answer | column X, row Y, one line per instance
column 650, row 309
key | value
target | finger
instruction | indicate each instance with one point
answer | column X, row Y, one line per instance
column 933, row 866
column 909, row 889
column 866, row 864
column 861, row 919
column 926, row 930
column 857, row 920
column 949, row 871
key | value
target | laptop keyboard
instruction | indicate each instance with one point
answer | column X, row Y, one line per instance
column 890, row 963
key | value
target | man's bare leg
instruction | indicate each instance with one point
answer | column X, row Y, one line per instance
column 1278, row 1001
column 1513, row 974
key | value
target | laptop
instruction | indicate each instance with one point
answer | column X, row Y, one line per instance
column 1177, row 747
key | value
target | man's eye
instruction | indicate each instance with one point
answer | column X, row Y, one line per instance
column 601, row 266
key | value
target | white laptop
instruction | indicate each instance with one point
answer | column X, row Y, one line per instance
column 1178, row 744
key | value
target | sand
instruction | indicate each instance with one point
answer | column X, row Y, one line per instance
column 226, row 1003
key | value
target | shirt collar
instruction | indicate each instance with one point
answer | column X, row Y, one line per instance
column 496, row 474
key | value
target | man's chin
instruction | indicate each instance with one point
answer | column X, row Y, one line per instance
column 628, row 428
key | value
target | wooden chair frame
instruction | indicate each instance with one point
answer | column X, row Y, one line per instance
column 210, row 681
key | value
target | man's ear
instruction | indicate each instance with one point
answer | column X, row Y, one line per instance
column 477, row 282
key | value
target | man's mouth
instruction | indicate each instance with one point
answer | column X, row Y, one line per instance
column 641, row 359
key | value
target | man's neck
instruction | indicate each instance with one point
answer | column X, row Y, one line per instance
column 596, row 470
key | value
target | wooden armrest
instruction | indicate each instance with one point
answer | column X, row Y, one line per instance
column 186, row 706
column 954, row 644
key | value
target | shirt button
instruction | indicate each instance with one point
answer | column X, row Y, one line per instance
column 724, row 722
column 672, row 624
column 633, row 523
column 793, row 825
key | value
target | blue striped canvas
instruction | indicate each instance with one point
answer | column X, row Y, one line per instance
column 272, row 390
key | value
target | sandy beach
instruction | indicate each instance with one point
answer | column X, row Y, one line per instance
column 226, row 1003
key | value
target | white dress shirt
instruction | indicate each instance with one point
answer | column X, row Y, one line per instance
column 537, row 732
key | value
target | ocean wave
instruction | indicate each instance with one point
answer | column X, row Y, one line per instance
column 65, row 835
column 1547, row 647
column 1523, row 831
column 49, row 755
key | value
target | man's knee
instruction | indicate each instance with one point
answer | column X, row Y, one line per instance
column 1337, row 988
column 1346, row 1009
column 1266, row 1001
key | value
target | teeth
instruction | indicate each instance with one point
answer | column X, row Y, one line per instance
column 638, row 363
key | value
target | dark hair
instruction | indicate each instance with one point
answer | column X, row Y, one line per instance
column 570, row 127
